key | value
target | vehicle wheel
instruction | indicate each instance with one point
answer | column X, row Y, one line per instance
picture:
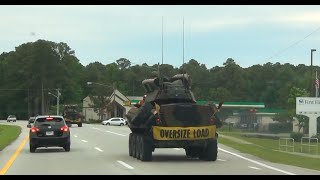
column 193, row 152
column 121, row 124
column 211, row 151
column 146, row 150
column 80, row 125
column 67, row 148
column 14, row 120
column 130, row 144
column 108, row 124
column 134, row 144
column 32, row 148
column 138, row 146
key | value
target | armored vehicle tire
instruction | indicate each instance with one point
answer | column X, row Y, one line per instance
column 130, row 144
column 193, row 152
column 146, row 150
column 211, row 151
column 134, row 144
column 80, row 125
column 138, row 146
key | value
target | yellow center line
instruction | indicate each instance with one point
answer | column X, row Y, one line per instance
column 13, row 157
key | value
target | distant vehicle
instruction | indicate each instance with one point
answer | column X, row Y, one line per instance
column 11, row 118
column 31, row 120
column 117, row 121
column 72, row 115
column 49, row 131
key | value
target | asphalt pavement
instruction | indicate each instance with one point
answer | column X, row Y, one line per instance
column 103, row 150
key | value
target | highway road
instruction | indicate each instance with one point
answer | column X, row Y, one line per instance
column 103, row 150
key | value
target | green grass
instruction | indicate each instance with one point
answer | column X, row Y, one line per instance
column 268, row 149
column 8, row 134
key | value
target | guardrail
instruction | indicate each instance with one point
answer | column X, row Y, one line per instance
column 309, row 144
column 289, row 143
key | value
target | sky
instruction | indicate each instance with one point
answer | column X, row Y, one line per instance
column 210, row 34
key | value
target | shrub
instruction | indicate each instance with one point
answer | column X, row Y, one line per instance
column 280, row 127
column 296, row 136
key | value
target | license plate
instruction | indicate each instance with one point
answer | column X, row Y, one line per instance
column 49, row 133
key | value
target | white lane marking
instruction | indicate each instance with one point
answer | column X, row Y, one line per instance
column 98, row 149
column 176, row 149
column 75, row 135
column 256, row 162
column 84, row 141
column 115, row 133
column 221, row 160
column 95, row 128
column 252, row 167
column 125, row 164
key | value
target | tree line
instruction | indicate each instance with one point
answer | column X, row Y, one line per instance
column 35, row 68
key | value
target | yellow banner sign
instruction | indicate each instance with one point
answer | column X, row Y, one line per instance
column 183, row 133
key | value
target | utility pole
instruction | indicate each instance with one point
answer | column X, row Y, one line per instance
column 28, row 104
column 42, row 99
column 58, row 94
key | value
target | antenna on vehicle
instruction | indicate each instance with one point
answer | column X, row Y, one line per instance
column 162, row 42
column 183, row 70
column 183, row 44
column 159, row 75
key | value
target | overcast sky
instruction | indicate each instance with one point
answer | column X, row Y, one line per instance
column 212, row 33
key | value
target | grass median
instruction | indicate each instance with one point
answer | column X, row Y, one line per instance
column 268, row 149
column 8, row 133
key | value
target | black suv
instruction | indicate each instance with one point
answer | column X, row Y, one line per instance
column 49, row 131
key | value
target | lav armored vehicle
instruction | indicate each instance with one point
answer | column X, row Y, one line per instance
column 72, row 115
column 168, row 117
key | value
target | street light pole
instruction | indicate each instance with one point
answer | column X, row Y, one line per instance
column 57, row 96
column 311, row 90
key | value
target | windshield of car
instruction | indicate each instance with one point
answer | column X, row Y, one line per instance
column 49, row 121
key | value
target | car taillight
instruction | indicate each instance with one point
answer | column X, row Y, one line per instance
column 34, row 129
column 64, row 128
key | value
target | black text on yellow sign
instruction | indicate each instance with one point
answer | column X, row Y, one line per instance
column 183, row 133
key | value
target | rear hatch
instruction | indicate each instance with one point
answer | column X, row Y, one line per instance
column 184, row 121
column 71, row 116
column 49, row 127
column 185, row 115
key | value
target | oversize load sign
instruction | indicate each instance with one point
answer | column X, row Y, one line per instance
column 183, row 133
column 307, row 105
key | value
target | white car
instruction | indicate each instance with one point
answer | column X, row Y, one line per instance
column 11, row 118
column 117, row 121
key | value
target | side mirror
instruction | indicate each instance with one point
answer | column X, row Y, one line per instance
column 29, row 126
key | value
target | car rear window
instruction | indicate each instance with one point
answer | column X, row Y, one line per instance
column 51, row 121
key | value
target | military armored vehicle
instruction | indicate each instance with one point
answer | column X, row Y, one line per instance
column 72, row 115
column 169, row 117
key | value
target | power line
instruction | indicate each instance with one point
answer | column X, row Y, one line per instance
column 297, row 42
